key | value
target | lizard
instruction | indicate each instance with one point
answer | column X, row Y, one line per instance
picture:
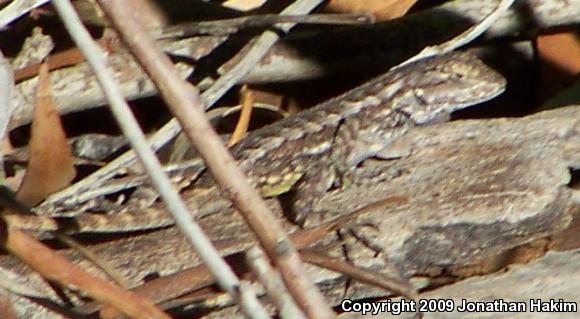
column 453, row 151
column 313, row 150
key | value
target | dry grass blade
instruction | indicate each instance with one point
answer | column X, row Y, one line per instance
column 245, row 115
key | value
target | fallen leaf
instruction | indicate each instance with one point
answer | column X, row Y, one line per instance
column 51, row 165
column 559, row 54
column 380, row 9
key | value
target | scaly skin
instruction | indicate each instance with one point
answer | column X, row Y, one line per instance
column 310, row 151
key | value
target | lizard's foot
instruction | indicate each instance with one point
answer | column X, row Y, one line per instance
column 310, row 188
column 366, row 234
column 306, row 214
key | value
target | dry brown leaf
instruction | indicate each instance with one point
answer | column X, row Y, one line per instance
column 381, row 9
column 559, row 61
column 51, row 165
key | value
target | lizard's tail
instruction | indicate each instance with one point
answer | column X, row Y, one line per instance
column 124, row 221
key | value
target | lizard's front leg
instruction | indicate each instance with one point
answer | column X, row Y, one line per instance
column 353, row 143
column 308, row 190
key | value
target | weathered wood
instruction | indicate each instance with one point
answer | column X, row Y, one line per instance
column 470, row 190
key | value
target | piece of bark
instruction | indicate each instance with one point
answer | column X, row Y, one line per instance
column 473, row 189
column 76, row 89
column 554, row 276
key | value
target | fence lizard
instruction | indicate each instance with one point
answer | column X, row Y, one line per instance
column 310, row 151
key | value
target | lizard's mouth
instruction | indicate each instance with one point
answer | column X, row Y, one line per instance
column 486, row 93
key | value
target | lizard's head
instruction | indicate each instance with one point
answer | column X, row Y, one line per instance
column 448, row 83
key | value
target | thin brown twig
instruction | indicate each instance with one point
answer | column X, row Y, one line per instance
column 132, row 131
column 57, row 268
column 180, row 96
column 362, row 275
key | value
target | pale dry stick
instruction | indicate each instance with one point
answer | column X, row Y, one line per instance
column 465, row 37
column 6, row 88
column 193, row 167
column 255, row 50
column 6, row 106
column 132, row 131
column 273, row 284
column 251, row 54
column 185, row 103
column 16, row 9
